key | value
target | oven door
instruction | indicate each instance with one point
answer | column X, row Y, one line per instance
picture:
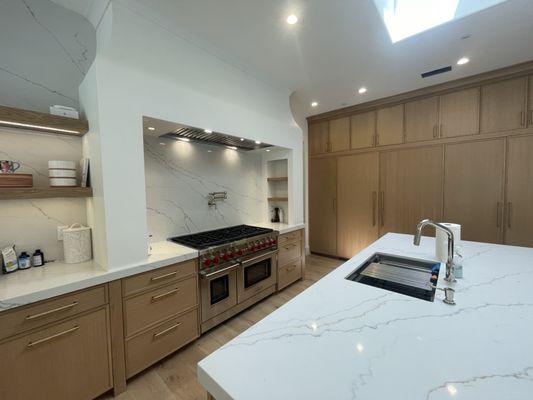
column 256, row 275
column 218, row 291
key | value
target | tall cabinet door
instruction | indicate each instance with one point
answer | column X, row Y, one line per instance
column 318, row 137
column 473, row 189
column 323, row 205
column 421, row 119
column 503, row 105
column 357, row 192
column 519, row 210
column 410, row 188
column 530, row 103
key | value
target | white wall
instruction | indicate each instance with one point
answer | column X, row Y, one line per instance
column 143, row 69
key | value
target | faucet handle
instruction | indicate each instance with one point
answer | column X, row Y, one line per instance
column 449, row 294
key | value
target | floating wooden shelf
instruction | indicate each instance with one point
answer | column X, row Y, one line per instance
column 278, row 199
column 44, row 193
column 36, row 121
column 278, row 179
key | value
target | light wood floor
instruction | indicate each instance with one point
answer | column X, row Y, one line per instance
column 175, row 376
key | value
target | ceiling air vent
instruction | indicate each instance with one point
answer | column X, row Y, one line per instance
column 437, row 71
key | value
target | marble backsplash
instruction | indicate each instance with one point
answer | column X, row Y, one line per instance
column 179, row 177
column 32, row 224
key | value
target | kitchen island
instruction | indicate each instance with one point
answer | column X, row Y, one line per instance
column 345, row 340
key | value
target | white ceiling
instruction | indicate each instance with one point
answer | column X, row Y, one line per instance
column 339, row 45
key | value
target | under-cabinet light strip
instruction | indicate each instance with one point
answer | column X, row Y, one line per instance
column 48, row 128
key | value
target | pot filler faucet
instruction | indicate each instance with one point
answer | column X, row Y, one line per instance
column 449, row 263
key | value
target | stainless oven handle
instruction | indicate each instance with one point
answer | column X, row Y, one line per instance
column 206, row 275
column 259, row 258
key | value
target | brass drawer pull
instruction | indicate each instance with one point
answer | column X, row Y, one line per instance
column 290, row 267
column 169, row 293
column 47, row 339
column 158, row 278
column 291, row 246
column 165, row 331
column 47, row 313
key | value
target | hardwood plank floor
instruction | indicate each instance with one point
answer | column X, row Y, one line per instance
column 174, row 378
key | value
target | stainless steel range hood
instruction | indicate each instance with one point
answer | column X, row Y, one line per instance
column 164, row 129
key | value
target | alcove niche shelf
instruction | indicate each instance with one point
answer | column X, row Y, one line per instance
column 36, row 122
column 278, row 186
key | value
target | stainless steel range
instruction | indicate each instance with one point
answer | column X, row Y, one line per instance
column 237, row 267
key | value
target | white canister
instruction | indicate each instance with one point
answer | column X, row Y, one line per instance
column 77, row 244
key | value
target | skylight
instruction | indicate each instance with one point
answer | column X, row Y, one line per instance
column 405, row 18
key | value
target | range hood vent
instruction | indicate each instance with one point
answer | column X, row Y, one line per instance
column 200, row 135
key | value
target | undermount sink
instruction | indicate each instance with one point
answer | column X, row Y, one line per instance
column 408, row 276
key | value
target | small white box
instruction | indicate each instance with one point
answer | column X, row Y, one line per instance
column 64, row 111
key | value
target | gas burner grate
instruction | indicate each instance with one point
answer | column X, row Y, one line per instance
column 203, row 240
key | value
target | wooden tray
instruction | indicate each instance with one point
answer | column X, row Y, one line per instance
column 16, row 180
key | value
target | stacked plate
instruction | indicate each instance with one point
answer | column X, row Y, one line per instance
column 62, row 173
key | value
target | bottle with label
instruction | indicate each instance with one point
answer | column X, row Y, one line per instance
column 38, row 258
column 10, row 261
column 24, row 260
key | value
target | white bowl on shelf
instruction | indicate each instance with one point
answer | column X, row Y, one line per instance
column 62, row 182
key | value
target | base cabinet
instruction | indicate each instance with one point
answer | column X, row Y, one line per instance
column 291, row 258
column 67, row 360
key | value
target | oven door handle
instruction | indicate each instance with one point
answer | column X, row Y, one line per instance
column 259, row 258
column 206, row 275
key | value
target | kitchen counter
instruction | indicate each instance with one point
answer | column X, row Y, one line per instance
column 56, row 278
column 344, row 340
column 280, row 227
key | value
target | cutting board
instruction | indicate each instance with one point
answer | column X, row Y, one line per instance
column 16, row 180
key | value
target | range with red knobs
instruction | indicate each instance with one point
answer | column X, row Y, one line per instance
column 237, row 267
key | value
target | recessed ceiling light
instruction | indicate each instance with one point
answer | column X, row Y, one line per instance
column 151, row 128
column 242, row 140
column 292, row 19
column 257, row 142
column 163, row 144
column 184, row 139
column 232, row 147
column 208, row 131
column 463, row 60
column 362, row 90
column 314, row 104
column 267, row 150
column 209, row 151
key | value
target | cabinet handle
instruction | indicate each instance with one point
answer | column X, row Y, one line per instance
column 46, row 313
column 522, row 118
column 498, row 218
column 165, row 331
column 434, row 131
column 169, row 293
column 382, row 207
column 291, row 246
column 377, row 140
column 441, row 130
column 157, row 278
column 509, row 214
column 374, row 198
column 290, row 267
column 334, row 205
column 530, row 117
column 47, row 339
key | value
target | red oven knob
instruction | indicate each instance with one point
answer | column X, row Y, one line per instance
column 239, row 253
column 216, row 260
column 207, row 262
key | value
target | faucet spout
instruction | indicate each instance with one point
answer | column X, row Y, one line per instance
column 416, row 241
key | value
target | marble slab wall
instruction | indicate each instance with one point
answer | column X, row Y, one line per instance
column 179, row 177
column 32, row 224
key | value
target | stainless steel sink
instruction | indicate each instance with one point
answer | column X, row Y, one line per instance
column 408, row 276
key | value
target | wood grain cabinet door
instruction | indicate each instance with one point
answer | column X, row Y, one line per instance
column 410, row 188
column 519, row 206
column 357, row 192
column 503, row 105
column 363, row 130
column 459, row 113
column 473, row 189
column 318, row 137
column 339, row 134
column 421, row 119
column 389, row 125
column 323, row 205
column 530, row 103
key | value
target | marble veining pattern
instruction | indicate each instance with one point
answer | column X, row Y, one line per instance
column 179, row 177
column 346, row 340
column 32, row 224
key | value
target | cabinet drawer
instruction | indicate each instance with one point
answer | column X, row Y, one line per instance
column 289, row 273
column 158, row 277
column 149, row 347
column 68, row 360
column 290, row 237
column 289, row 252
column 44, row 312
column 158, row 305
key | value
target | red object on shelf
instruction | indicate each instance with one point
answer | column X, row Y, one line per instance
column 216, row 260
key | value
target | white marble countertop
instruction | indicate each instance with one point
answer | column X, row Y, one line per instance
column 56, row 278
column 345, row 340
column 280, row 227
